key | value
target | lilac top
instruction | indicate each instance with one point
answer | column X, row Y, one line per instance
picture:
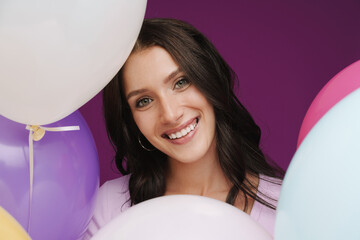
column 113, row 195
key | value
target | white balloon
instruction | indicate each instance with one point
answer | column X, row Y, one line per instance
column 320, row 196
column 58, row 54
column 182, row 217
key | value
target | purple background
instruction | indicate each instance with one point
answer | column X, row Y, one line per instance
column 284, row 52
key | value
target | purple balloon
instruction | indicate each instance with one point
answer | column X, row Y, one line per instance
column 65, row 183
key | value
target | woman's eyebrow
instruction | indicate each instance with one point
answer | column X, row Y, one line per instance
column 142, row 90
column 135, row 92
column 172, row 75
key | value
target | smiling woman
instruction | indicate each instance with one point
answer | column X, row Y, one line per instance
column 172, row 114
column 178, row 128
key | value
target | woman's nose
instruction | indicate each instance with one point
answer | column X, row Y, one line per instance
column 171, row 110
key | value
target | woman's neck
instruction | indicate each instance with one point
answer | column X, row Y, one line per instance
column 203, row 177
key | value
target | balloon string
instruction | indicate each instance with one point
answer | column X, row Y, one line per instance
column 31, row 166
column 33, row 129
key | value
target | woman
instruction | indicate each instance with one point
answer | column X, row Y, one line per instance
column 178, row 128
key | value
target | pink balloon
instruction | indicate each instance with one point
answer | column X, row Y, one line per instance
column 336, row 89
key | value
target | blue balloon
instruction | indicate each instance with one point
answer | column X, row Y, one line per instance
column 320, row 198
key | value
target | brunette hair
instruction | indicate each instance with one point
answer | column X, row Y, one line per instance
column 237, row 135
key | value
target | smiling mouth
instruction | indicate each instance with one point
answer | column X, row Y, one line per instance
column 183, row 132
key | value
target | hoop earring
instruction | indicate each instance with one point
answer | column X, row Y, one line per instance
column 147, row 149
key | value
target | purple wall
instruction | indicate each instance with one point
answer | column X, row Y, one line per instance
column 282, row 51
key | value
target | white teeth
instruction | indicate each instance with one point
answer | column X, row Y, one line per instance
column 183, row 132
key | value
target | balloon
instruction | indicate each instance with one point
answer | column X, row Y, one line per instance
column 320, row 196
column 10, row 228
column 182, row 217
column 65, row 182
column 336, row 89
column 56, row 55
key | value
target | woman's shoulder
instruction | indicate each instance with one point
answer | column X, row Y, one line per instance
column 115, row 185
column 113, row 198
column 268, row 189
column 114, row 195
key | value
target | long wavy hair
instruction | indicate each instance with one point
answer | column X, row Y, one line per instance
column 237, row 135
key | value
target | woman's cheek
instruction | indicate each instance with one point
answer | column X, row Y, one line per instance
column 144, row 121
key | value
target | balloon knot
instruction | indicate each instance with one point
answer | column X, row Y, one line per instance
column 38, row 132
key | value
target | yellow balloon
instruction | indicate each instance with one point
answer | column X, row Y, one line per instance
column 10, row 228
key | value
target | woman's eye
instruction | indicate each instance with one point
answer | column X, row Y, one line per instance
column 143, row 102
column 181, row 83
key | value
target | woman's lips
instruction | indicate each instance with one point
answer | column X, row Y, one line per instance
column 185, row 134
column 182, row 130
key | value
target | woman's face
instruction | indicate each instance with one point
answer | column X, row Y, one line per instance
column 171, row 113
